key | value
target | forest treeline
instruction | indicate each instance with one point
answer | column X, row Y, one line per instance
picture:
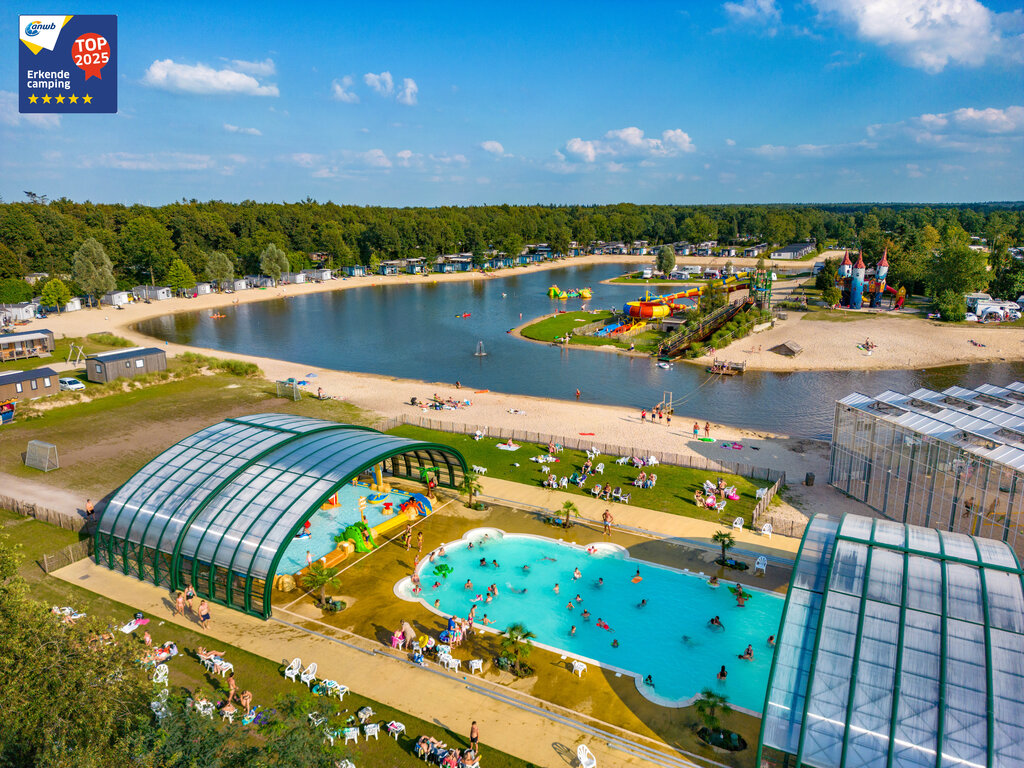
column 142, row 242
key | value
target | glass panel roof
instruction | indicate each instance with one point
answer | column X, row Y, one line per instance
column 909, row 649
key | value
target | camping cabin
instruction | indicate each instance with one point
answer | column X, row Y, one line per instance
column 129, row 363
column 202, row 289
column 318, row 274
column 151, row 292
column 391, row 267
column 259, row 281
column 354, row 270
column 293, row 278
column 18, row 346
column 235, row 285
column 21, row 312
column 28, row 385
column 116, row 298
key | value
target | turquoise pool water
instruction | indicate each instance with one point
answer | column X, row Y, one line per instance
column 328, row 523
column 668, row 638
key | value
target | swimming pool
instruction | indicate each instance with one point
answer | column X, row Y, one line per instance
column 328, row 523
column 668, row 638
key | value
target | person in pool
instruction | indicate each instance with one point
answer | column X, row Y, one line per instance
column 556, row 589
column 601, row 623
column 748, row 655
column 615, row 643
column 771, row 641
column 469, row 584
column 553, row 560
column 713, row 581
column 495, row 563
column 579, row 599
column 600, row 583
column 436, row 585
column 722, row 674
column 518, row 591
column 649, row 681
column 586, row 615
column 716, row 622
column 572, row 630
column 483, row 562
column 526, row 569
column 642, row 603
column 441, row 552
column 569, row 606
column 576, row 574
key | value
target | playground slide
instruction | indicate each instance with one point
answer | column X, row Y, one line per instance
column 360, row 536
column 900, row 295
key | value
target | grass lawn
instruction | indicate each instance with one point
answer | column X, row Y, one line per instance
column 553, row 328
column 60, row 354
column 262, row 676
column 838, row 315
column 103, row 441
column 673, row 492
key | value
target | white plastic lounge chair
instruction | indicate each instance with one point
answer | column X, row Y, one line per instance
column 596, row 490
column 585, row 757
column 761, row 564
column 564, row 482
column 344, row 764
column 228, row 714
column 444, row 650
column 293, row 670
column 205, row 708
column 720, row 506
column 578, row 668
column 599, row 468
column 309, row 676
column 617, row 494
column 351, row 734
column 395, row 728
column 160, row 675
column 371, row 729
column 316, row 719
column 476, row 665
column 330, row 734
column 222, row 666
column 738, row 523
column 624, row 498
column 760, row 493
column 159, row 705
column 622, row 460
column 451, row 663
column 335, row 689
column 652, row 461
column 766, row 530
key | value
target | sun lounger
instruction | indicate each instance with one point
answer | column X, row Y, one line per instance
column 617, row 494
column 292, row 671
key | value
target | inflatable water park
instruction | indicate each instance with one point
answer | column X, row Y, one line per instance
column 554, row 292
column 654, row 307
column 854, row 287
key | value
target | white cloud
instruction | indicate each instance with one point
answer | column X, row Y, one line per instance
column 446, row 159
column 408, row 93
column 409, row 159
column 756, row 11
column 614, row 167
column 494, row 147
column 305, row 159
column 914, row 171
column 324, row 173
column 168, row 75
column 340, row 91
column 236, row 129
column 150, row 161
column 931, row 34
column 375, row 158
column 967, row 129
column 382, row 83
column 631, row 143
column 9, row 114
column 730, row 142
column 263, row 68
column 990, row 120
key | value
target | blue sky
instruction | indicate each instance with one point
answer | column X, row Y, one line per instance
column 408, row 104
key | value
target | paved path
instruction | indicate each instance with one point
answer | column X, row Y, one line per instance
column 45, row 495
column 524, row 733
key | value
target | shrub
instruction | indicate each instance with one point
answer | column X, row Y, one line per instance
column 110, row 340
column 951, row 306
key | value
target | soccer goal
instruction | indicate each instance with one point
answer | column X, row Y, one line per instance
column 40, row 455
column 289, row 389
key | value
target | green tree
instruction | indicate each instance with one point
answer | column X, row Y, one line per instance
column 725, row 540
column 560, row 240
column 273, row 262
column 828, row 275
column 951, row 306
column 569, row 508
column 10, row 264
column 14, row 291
column 666, row 261
column 470, row 485
column 831, row 296
column 955, row 267
column 91, row 269
column 711, row 298
column 320, row 578
column 516, row 646
column 55, row 294
column 179, row 277
column 148, row 246
column 699, row 228
column 219, row 268
column 709, row 706
column 1009, row 283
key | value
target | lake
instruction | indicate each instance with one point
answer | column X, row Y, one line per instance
column 417, row 331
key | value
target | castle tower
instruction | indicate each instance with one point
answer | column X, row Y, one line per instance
column 857, row 283
column 878, row 284
column 845, row 269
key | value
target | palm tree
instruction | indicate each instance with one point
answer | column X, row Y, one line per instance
column 569, row 508
column 725, row 539
column 471, row 485
column 709, row 706
column 515, row 645
column 319, row 576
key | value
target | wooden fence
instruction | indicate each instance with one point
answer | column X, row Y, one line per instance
column 44, row 514
column 583, row 443
column 72, row 553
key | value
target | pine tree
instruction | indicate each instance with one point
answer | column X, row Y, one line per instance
column 180, row 277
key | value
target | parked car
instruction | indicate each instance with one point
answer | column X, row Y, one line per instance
column 70, row 384
column 970, row 317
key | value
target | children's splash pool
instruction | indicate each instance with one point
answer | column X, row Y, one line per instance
column 328, row 523
column 667, row 638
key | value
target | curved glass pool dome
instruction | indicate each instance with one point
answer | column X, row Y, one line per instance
column 218, row 509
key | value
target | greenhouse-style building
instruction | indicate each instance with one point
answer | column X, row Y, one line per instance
column 900, row 646
column 218, row 509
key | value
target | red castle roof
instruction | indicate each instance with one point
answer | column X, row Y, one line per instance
column 860, row 261
column 885, row 258
column 846, row 259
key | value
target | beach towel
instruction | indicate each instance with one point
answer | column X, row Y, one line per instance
column 134, row 624
column 587, row 434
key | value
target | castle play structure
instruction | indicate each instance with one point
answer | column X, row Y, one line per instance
column 855, row 288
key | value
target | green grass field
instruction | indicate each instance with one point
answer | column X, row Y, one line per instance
column 262, row 676
column 673, row 492
column 553, row 328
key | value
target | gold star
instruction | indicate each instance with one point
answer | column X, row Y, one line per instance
column 33, row 99
column 87, row 98
column 73, row 99
column 46, row 99
column 60, row 99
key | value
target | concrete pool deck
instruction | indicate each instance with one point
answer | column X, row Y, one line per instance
column 523, row 731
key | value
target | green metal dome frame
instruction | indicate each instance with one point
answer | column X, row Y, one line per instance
column 218, row 509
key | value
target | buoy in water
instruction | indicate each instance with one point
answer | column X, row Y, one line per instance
column 480, row 350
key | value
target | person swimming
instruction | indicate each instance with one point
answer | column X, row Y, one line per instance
column 576, row 574
column 642, row 603
column 478, row 598
column 603, row 625
column 553, row 560
column 722, row 674
column 495, row 563
column 518, row 591
column 572, row 630
column 483, row 562
column 441, row 552
column 615, row 643
column 716, row 622
column 436, row 585
column 579, row 599
column 771, row 641
column 600, row 583
column 469, row 584
column 748, row 655
column 526, row 569
column 556, row 589
column 586, row 615
column 649, row 681
column 569, row 606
